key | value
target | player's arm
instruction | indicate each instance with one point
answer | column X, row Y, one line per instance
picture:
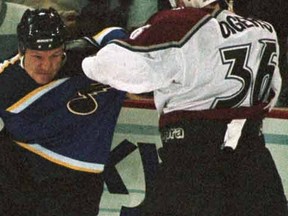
column 276, row 85
column 93, row 44
column 76, row 50
column 134, row 68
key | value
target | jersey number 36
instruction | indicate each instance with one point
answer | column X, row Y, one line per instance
column 238, row 57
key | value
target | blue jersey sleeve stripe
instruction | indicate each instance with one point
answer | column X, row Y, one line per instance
column 62, row 160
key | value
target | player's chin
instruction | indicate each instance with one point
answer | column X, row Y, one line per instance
column 43, row 78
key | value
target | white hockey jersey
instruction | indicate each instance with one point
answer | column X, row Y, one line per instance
column 194, row 61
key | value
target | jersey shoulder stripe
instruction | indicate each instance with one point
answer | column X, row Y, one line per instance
column 171, row 28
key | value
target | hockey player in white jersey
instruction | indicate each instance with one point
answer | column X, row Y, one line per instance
column 214, row 76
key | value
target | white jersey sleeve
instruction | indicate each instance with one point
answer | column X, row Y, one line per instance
column 133, row 71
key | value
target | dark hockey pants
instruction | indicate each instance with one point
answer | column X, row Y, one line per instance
column 199, row 178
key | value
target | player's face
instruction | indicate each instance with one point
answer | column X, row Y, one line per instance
column 43, row 66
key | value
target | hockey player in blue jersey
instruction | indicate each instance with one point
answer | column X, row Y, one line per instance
column 58, row 124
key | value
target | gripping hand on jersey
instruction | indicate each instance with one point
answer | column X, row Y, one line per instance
column 98, row 40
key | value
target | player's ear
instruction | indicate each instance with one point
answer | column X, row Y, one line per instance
column 21, row 48
column 64, row 58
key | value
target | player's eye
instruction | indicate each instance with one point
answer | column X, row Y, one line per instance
column 57, row 55
column 38, row 57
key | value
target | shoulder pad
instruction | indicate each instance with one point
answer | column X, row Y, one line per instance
column 8, row 62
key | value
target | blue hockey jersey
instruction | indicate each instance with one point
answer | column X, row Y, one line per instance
column 69, row 121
